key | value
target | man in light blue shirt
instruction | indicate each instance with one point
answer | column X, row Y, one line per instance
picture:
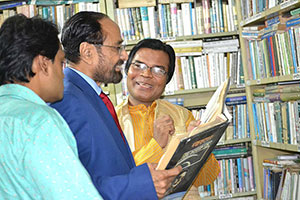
column 38, row 152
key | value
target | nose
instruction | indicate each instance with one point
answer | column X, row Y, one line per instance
column 124, row 55
column 147, row 72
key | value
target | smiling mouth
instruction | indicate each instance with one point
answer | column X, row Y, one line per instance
column 144, row 85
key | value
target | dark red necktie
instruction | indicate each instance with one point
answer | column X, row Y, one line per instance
column 112, row 111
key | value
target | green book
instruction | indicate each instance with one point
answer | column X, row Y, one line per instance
column 295, row 11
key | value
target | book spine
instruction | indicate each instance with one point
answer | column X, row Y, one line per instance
column 145, row 21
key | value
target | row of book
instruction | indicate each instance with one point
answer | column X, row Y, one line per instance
column 277, row 121
column 206, row 67
column 236, row 176
column 281, row 177
column 239, row 125
column 177, row 19
column 58, row 14
column 274, row 48
column 253, row 7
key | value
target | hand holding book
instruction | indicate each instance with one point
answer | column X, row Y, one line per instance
column 192, row 151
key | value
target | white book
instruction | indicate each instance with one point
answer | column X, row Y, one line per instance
column 127, row 24
column 92, row 7
column 185, row 73
column 198, row 71
column 273, row 121
column 294, row 189
column 173, row 8
column 120, row 23
column 123, row 24
column 229, row 17
column 152, row 22
column 205, row 71
column 31, row 10
column 222, row 74
column 60, row 16
column 179, row 23
column 82, row 6
column 161, row 21
column 186, row 18
column 199, row 19
column 294, row 113
column 194, row 30
column 298, row 188
column 212, row 72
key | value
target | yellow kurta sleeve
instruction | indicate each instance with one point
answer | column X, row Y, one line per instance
column 149, row 153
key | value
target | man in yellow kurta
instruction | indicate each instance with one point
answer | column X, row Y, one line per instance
column 147, row 121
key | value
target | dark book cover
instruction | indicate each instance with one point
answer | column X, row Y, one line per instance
column 192, row 154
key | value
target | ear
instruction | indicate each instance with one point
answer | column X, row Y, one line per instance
column 87, row 52
column 41, row 64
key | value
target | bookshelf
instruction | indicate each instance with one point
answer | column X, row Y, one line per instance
column 196, row 97
column 56, row 11
column 246, row 83
column 265, row 136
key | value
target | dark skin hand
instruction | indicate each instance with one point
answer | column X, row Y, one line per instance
column 163, row 128
column 162, row 179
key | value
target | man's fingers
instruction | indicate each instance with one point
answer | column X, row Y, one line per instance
column 174, row 171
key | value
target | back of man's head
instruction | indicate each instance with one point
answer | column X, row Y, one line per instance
column 21, row 40
column 81, row 27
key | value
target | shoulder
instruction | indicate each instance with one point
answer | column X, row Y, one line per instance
column 120, row 108
column 167, row 104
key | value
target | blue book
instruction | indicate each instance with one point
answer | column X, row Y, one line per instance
column 191, row 16
column 240, row 174
column 294, row 56
column 234, row 122
column 247, row 122
column 251, row 51
column 256, row 123
column 293, row 22
column 238, row 98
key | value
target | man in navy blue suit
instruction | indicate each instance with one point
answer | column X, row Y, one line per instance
column 93, row 47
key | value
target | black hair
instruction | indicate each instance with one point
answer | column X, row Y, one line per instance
column 21, row 40
column 155, row 45
column 81, row 27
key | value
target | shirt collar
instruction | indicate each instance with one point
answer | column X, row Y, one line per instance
column 21, row 92
column 142, row 107
column 90, row 81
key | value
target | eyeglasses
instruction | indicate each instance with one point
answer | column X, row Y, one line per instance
column 156, row 70
column 120, row 49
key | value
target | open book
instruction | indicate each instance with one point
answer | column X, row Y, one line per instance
column 191, row 151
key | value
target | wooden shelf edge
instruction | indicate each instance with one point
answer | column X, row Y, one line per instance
column 263, row 15
column 276, row 79
column 278, row 146
column 230, row 196
column 234, row 141
column 185, row 38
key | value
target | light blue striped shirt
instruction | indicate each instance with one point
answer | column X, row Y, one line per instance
column 38, row 153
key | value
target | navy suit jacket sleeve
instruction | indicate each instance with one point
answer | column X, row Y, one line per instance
column 101, row 148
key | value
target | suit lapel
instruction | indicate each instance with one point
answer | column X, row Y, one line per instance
column 102, row 111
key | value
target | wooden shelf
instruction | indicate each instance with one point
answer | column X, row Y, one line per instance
column 234, row 141
column 59, row 2
column 275, row 79
column 230, row 196
column 278, row 146
column 261, row 17
column 131, row 43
